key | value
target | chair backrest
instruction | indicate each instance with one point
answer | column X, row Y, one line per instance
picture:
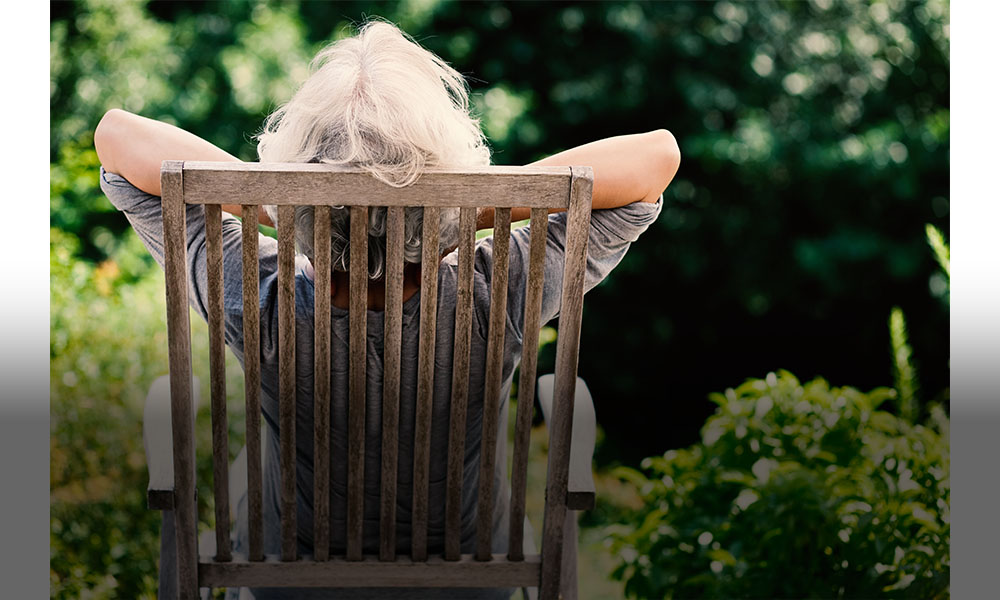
column 290, row 185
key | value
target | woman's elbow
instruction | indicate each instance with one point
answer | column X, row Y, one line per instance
column 106, row 137
column 667, row 146
column 666, row 160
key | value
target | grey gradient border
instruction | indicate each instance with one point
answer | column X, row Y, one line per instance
column 975, row 305
column 24, row 304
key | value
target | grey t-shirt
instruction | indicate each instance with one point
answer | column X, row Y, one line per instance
column 612, row 231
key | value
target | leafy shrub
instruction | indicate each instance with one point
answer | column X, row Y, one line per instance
column 107, row 345
column 796, row 490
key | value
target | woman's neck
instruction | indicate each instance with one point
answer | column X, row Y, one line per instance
column 340, row 291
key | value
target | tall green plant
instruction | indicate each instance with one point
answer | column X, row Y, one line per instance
column 942, row 252
column 903, row 371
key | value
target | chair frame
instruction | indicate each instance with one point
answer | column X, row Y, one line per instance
column 288, row 185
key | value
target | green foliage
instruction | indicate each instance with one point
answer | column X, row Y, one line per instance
column 904, row 374
column 795, row 491
column 903, row 371
column 942, row 252
column 108, row 343
column 108, row 340
column 107, row 54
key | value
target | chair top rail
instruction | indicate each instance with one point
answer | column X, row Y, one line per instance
column 320, row 184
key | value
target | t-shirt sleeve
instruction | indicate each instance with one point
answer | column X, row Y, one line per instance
column 144, row 213
column 612, row 231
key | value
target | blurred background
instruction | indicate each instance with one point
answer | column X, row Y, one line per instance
column 770, row 362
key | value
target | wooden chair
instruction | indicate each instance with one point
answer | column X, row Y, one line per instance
column 170, row 450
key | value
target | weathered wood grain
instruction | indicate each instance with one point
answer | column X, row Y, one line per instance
column 315, row 184
column 425, row 379
column 526, row 382
column 460, row 384
column 179, row 356
column 494, row 381
column 321, row 384
column 567, row 354
column 390, row 380
column 286, row 377
column 251, row 374
column 217, row 369
column 358, row 317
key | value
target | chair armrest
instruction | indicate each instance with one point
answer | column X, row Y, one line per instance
column 158, row 441
column 581, row 490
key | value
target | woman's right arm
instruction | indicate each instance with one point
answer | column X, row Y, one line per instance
column 134, row 147
column 627, row 169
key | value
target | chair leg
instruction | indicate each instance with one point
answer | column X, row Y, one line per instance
column 168, row 558
column 568, row 581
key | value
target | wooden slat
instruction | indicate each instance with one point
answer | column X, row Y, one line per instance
column 321, row 384
column 390, row 380
column 425, row 379
column 459, row 385
column 526, row 382
column 371, row 572
column 179, row 353
column 494, row 381
column 251, row 372
column 217, row 367
column 318, row 184
column 286, row 377
column 567, row 354
column 358, row 317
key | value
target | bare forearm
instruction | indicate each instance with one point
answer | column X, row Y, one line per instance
column 134, row 147
column 627, row 169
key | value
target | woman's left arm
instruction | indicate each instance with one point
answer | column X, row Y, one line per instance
column 134, row 147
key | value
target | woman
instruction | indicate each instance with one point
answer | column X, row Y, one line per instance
column 381, row 102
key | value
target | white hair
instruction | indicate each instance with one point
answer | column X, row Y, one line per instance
column 380, row 102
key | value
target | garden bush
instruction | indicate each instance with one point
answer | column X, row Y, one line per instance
column 107, row 345
column 795, row 490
